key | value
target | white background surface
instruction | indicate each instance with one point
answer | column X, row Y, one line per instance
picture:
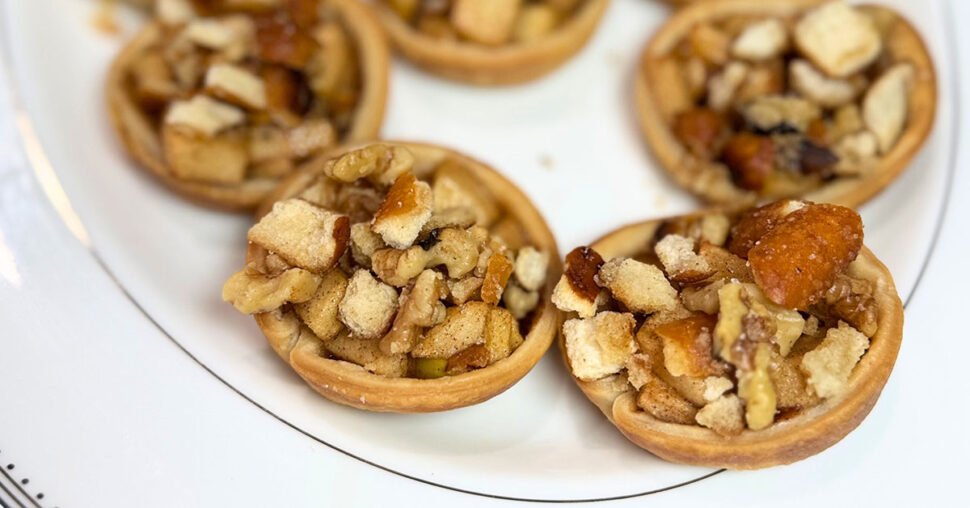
column 98, row 407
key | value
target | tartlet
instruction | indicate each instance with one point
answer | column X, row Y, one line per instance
column 490, row 42
column 418, row 297
column 711, row 359
column 744, row 101
column 221, row 102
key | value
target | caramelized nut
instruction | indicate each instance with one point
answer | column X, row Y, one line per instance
column 751, row 159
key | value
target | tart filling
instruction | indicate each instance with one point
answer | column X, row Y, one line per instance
column 732, row 323
column 238, row 94
column 765, row 102
column 400, row 270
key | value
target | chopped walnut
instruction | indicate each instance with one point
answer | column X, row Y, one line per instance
column 757, row 391
column 251, row 291
column 421, row 307
column 468, row 288
column 320, row 312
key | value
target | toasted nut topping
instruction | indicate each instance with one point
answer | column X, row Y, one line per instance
column 599, row 346
column 234, row 84
column 757, row 391
column 421, row 308
column 463, row 327
column 687, row 346
column 886, row 105
column 404, row 212
column 485, row 21
column 496, row 277
column 751, row 159
column 303, row 234
column 851, row 300
column 382, row 164
column 858, row 42
column 250, row 291
column 798, row 260
column 466, row 289
column 829, row 365
column 320, row 312
column 757, row 222
column 577, row 289
column 761, row 40
column 676, row 253
column 204, row 115
column 641, row 287
column 368, row 305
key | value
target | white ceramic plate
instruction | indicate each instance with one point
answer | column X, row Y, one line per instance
column 569, row 140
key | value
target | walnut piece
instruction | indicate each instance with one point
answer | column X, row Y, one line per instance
column 421, row 308
column 757, row 391
column 250, row 291
column 320, row 312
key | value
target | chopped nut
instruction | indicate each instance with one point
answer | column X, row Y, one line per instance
column 204, row 115
column 404, row 212
column 320, row 312
column 751, row 159
column 777, row 111
column 724, row 264
column 466, row 289
column 722, row 86
column 702, row 298
column 638, row 370
column 676, row 253
column 502, row 335
column 709, row 43
column 599, row 346
column 715, row 386
column 699, row 130
column 367, row 354
column 577, row 289
column 303, row 234
column 886, row 104
column 858, row 42
column 530, row 268
column 496, row 277
column 249, row 291
column 153, row 80
column 368, row 305
column 421, row 308
column 798, row 260
column 535, row 21
column 663, row 402
column 747, row 316
column 724, row 415
column 520, row 302
column 459, row 217
column 456, row 249
column 221, row 158
column 234, row 84
column 762, row 40
column 641, row 287
column 455, row 185
column 381, row 164
column 463, row 327
column 687, row 349
column 819, row 88
column 363, row 243
column 755, row 223
column 757, row 391
column 485, row 21
column 850, row 300
column 829, row 365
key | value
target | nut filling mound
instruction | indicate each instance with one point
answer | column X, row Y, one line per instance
column 741, row 326
column 490, row 41
column 223, row 98
column 745, row 102
column 396, row 265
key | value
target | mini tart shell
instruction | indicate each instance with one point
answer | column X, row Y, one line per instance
column 349, row 384
column 802, row 435
column 502, row 65
column 143, row 142
column 905, row 44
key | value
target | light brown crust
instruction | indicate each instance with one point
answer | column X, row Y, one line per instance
column 482, row 65
column 794, row 439
column 905, row 43
column 350, row 384
column 143, row 143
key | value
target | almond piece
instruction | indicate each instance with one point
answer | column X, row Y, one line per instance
column 757, row 222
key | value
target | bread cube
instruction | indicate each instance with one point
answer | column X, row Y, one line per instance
column 641, row 287
column 368, row 305
column 404, row 212
column 838, row 38
column 599, row 346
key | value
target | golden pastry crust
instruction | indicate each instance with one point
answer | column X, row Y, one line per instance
column 904, row 44
column 806, row 433
column 350, row 384
column 503, row 65
column 144, row 144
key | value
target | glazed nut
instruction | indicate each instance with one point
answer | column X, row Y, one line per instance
column 724, row 415
column 761, row 40
column 819, row 88
column 496, row 277
column 204, row 115
column 755, row 223
column 682, row 264
column 757, row 391
column 236, row 85
column 404, row 212
column 886, row 105
column 303, row 234
column 829, row 365
column 698, row 129
column 250, row 291
column 858, row 42
column 599, row 346
column 722, row 87
column 751, row 159
column 319, row 313
column 368, row 305
column 485, row 21
column 799, row 259
column 687, row 346
column 421, row 307
column 640, row 287
column 463, row 327
column 577, row 290
column 381, row 164
column 530, row 268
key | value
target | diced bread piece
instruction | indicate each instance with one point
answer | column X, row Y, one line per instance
column 221, row 158
column 363, row 243
column 174, row 12
column 530, row 268
column 311, row 136
column 638, row 370
column 466, row 289
column 535, row 21
column 268, row 142
column 856, row 152
column 152, row 79
column 250, row 291
column 665, row 403
column 235, row 84
column 761, row 40
column 723, row 85
column 367, row 354
column 320, row 312
column 679, row 260
column 687, row 347
column 771, row 111
column 791, row 386
column 211, row 33
column 368, row 305
column 641, row 287
column 303, row 234
column 886, row 105
column 710, row 43
column 838, row 38
column 715, row 386
column 520, row 302
column 599, row 346
column 204, row 115
column 502, row 335
column 724, row 415
column 819, row 88
column 485, row 21
column 405, row 210
column 463, row 327
column 456, row 186
column 829, row 365
column 577, row 290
